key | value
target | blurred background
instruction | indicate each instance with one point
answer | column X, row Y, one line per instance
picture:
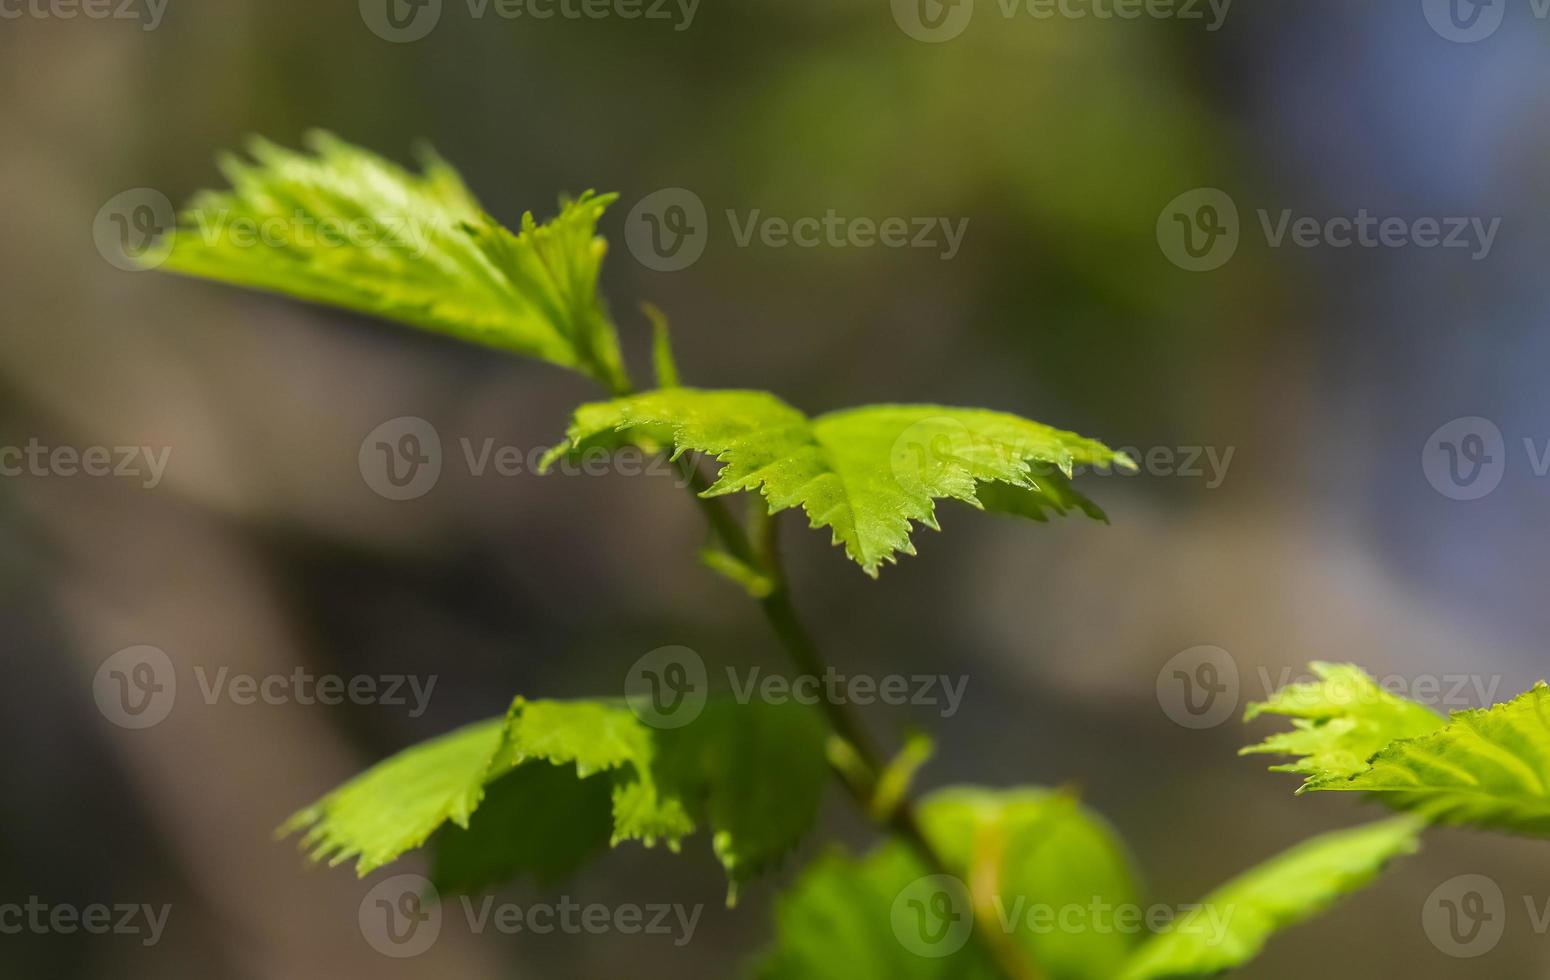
column 1100, row 284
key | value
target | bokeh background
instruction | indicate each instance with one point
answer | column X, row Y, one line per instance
column 1324, row 371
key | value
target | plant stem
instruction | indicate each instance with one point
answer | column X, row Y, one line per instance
column 904, row 821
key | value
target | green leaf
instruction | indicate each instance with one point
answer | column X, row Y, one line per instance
column 757, row 772
column 1028, row 850
column 509, row 836
column 865, row 473
column 539, row 791
column 662, row 359
column 1231, row 925
column 397, row 805
column 836, row 924
column 343, row 227
column 1340, row 721
column 754, row 581
column 1487, row 767
column 1013, row 852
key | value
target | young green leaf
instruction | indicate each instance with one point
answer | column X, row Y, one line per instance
column 397, row 805
column 344, row 227
column 540, row 790
column 509, row 835
column 865, row 473
column 1017, row 857
column 663, row 362
column 1339, row 722
column 757, row 772
column 1488, row 767
column 1231, row 925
